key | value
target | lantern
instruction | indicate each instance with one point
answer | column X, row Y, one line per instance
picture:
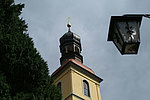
column 125, row 33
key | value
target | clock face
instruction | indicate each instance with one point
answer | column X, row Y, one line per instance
column 128, row 30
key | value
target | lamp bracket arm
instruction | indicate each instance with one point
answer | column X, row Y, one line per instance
column 143, row 15
column 147, row 15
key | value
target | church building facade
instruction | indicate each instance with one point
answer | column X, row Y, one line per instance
column 76, row 81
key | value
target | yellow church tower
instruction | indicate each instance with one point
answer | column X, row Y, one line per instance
column 76, row 81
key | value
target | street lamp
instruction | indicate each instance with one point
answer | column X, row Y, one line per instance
column 124, row 31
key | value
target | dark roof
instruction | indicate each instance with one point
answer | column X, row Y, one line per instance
column 69, row 37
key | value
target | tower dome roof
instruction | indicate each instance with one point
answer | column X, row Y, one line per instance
column 70, row 46
column 70, row 37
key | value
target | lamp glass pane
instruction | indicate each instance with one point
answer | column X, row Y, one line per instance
column 129, row 31
column 117, row 39
column 131, row 48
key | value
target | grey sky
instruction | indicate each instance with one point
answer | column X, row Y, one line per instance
column 125, row 77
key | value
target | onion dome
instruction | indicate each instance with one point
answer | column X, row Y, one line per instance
column 70, row 46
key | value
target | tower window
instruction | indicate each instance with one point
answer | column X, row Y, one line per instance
column 86, row 88
column 70, row 48
column 77, row 49
column 59, row 85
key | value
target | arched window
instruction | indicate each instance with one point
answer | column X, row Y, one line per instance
column 86, row 88
column 59, row 85
column 77, row 49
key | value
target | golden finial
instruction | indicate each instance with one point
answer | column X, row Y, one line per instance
column 68, row 25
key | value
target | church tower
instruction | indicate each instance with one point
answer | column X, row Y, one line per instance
column 76, row 81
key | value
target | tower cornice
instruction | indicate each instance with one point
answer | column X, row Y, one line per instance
column 78, row 66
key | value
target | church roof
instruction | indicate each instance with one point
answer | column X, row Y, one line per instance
column 69, row 36
column 75, row 62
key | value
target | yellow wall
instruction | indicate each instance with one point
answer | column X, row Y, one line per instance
column 77, row 84
column 65, row 79
column 72, row 82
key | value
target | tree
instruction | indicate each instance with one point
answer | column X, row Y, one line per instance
column 25, row 72
column 4, row 88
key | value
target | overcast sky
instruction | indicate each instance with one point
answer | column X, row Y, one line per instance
column 125, row 77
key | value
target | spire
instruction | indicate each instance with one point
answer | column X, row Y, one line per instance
column 70, row 46
column 68, row 25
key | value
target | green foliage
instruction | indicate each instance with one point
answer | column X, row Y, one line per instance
column 25, row 73
column 4, row 87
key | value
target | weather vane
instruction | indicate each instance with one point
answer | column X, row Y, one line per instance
column 68, row 25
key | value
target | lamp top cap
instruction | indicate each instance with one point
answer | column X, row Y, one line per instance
column 125, row 18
